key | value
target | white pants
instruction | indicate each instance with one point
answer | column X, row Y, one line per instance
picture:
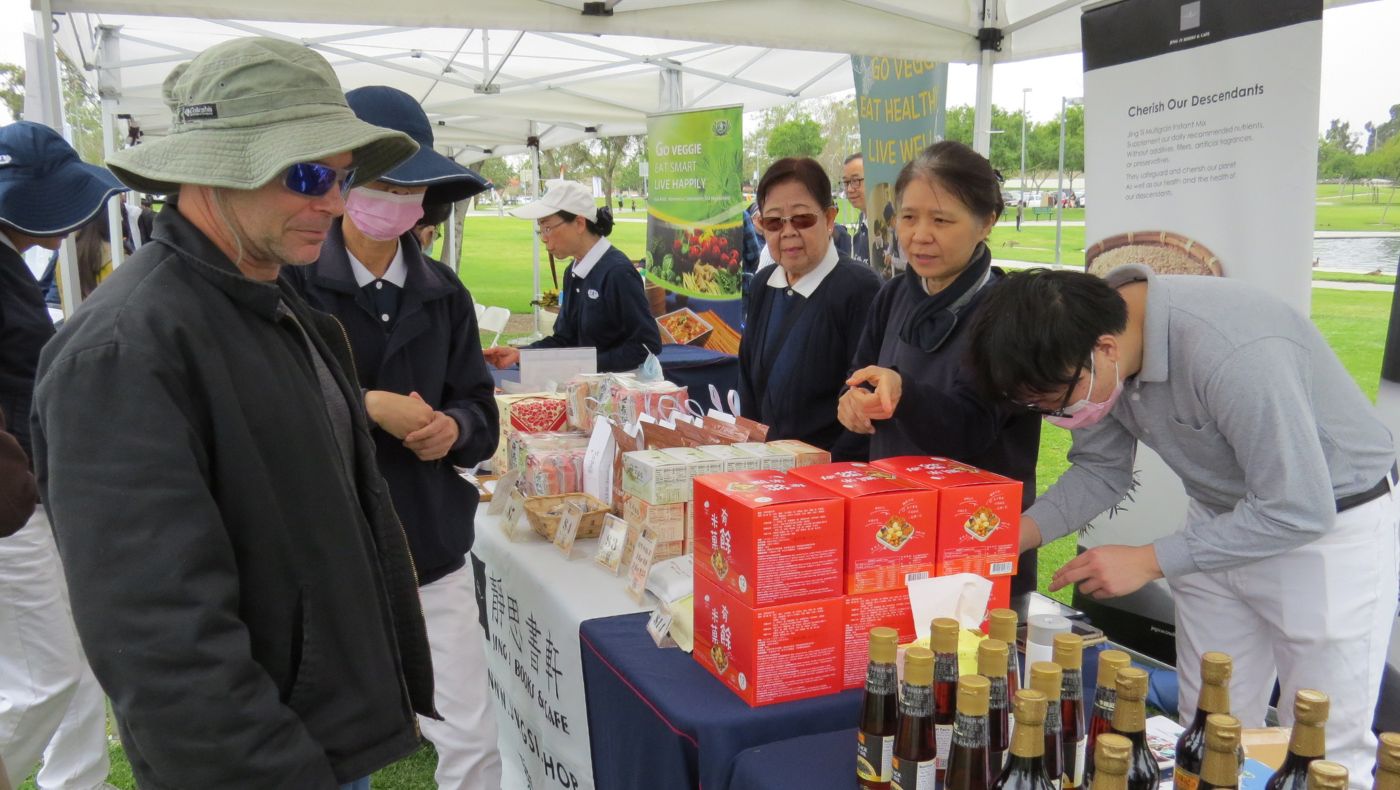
column 1316, row 617
column 50, row 704
column 468, row 757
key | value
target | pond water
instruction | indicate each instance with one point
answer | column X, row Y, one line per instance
column 1358, row 255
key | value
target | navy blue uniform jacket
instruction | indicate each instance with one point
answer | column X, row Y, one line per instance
column 607, row 310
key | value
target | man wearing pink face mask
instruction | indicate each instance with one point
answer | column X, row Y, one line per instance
column 1287, row 559
column 429, row 396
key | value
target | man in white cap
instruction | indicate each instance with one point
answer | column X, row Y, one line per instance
column 238, row 576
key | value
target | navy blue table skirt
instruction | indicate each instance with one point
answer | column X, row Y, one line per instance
column 657, row 719
column 825, row 761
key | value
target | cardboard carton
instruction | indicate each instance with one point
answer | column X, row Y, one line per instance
column 864, row 612
column 656, row 477
column 771, row 654
column 803, row 454
column 769, row 458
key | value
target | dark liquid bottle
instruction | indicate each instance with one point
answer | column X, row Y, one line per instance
column 1388, row 762
column 1307, row 743
column 1130, row 721
column 991, row 664
column 1327, row 775
column 967, row 759
column 1112, row 754
column 945, row 691
column 879, row 712
column 1003, row 624
column 1025, row 767
column 915, row 751
column 1069, row 654
column 1220, row 769
column 1215, row 698
column 1105, row 694
column 1045, row 678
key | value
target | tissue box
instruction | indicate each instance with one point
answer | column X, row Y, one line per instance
column 768, row 457
column 735, row 460
column 864, row 612
column 803, row 454
column 768, row 538
column 979, row 514
column 656, row 477
column 891, row 525
column 770, row 654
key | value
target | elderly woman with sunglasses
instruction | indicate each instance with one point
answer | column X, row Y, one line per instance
column 805, row 313
column 911, row 391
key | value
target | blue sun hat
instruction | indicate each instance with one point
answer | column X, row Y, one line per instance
column 391, row 108
column 45, row 189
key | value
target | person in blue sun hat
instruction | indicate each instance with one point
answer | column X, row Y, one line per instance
column 430, row 398
column 55, row 707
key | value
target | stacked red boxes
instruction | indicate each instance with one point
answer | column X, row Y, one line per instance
column 871, row 610
column 768, row 584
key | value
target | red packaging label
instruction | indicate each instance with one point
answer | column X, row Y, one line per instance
column 864, row 612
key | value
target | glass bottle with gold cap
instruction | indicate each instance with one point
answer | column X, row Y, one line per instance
column 1025, row 767
column 945, row 686
column 1105, row 695
column 1327, row 775
column 1216, row 669
column 879, row 712
column 1045, row 678
column 1003, row 626
column 915, row 751
column 968, row 765
column 1111, row 755
column 1069, row 654
column 1388, row 762
column 1130, row 721
column 1220, row 768
column 991, row 664
column 1307, row 743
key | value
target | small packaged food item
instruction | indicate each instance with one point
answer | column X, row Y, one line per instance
column 803, row 454
column 769, row 458
column 656, row 477
column 735, row 460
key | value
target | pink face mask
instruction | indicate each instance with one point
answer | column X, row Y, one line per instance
column 383, row 215
column 1084, row 412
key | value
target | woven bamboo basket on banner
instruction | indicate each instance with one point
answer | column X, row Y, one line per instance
column 1162, row 251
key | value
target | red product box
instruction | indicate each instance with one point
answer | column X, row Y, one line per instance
column 891, row 525
column 768, row 538
column 864, row 612
column 979, row 514
column 771, row 654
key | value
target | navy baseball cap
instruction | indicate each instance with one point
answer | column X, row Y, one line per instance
column 45, row 189
column 447, row 181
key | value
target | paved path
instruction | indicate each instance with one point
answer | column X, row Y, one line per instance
column 1344, row 286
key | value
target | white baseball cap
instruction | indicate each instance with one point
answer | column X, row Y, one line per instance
column 562, row 195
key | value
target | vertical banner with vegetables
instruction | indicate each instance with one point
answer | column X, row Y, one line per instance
column 901, row 105
column 695, row 204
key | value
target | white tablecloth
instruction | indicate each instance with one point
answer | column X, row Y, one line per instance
column 533, row 602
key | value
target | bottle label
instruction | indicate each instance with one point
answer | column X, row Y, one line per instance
column 1073, row 775
column 943, row 737
column 873, row 755
column 1184, row 780
column 912, row 775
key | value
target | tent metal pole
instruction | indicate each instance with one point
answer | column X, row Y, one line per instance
column 534, row 142
column 989, row 39
column 109, row 90
column 49, row 111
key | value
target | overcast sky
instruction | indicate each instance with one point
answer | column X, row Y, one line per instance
column 1360, row 66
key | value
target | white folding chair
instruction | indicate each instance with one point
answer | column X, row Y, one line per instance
column 493, row 319
column 480, row 310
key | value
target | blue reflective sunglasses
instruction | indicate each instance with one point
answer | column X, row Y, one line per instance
column 313, row 179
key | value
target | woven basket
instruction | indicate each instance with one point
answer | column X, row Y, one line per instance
column 545, row 512
column 1163, row 251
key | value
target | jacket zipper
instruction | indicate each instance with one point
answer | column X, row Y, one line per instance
column 413, row 566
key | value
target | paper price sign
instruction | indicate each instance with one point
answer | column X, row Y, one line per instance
column 659, row 626
column 611, row 544
column 515, row 513
column 567, row 532
column 505, row 486
column 641, row 564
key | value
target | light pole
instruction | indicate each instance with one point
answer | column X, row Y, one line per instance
column 1024, row 91
column 1065, row 102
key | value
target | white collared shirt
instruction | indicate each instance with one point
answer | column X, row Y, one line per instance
column 807, row 285
column 584, row 265
column 396, row 274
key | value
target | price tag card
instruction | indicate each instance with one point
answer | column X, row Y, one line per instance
column 567, row 532
column 515, row 515
column 505, row 487
column 641, row 565
column 659, row 626
column 611, row 543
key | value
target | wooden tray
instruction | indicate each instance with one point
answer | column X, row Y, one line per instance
column 1192, row 256
column 545, row 512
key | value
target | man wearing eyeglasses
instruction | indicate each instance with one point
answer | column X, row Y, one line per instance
column 238, row 576
column 853, row 184
column 1287, row 558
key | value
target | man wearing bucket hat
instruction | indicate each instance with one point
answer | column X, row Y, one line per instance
column 603, row 303
column 430, row 397
column 238, row 575
column 54, row 706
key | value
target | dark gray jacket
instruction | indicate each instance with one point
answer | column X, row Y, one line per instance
column 251, row 610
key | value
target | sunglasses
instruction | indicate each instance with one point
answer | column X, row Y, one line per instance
column 799, row 221
column 313, row 179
